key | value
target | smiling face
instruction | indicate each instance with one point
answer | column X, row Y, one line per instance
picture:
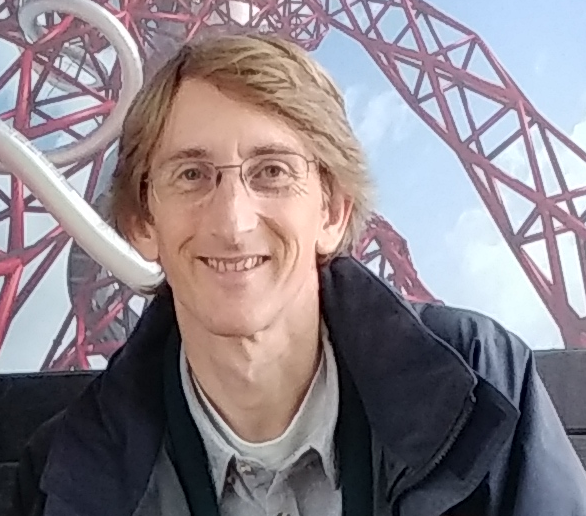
column 238, row 213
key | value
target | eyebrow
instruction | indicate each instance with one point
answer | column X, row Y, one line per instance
column 185, row 154
column 202, row 152
column 271, row 148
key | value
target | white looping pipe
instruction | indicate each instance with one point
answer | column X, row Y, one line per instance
column 75, row 215
column 130, row 65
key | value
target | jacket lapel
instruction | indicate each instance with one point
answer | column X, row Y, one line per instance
column 395, row 361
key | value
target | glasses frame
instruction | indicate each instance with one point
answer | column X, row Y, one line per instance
column 219, row 171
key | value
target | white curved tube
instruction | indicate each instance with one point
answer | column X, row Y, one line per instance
column 130, row 65
column 74, row 214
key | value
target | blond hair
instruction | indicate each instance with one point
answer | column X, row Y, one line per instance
column 265, row 71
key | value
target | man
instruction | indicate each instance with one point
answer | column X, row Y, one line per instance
column 273, row 375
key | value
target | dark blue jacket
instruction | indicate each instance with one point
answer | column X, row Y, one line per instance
column 461, row 423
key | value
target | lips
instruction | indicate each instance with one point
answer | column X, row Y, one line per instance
column 239, row 264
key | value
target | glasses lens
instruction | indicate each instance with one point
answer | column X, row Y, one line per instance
column 275, row 175
column 192, row 180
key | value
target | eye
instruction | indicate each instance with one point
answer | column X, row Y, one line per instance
column 272, row 171
column 196, row 172
column 191, row 174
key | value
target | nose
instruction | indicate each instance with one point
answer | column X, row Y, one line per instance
column 232, row 212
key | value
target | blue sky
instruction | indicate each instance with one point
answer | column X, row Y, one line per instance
column 423, row 189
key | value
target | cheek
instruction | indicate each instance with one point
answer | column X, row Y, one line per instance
column 296, row 224
column 173, row 233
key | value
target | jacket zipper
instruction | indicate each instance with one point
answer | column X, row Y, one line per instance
column 442, row 452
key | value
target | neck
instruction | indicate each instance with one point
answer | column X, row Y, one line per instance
column 258, row 383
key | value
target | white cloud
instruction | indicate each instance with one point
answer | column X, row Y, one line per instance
column 377, row 117
column 491, row 280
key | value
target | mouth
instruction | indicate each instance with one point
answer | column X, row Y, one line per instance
column 237, row 264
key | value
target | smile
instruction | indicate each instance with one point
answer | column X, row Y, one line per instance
column 239, row 264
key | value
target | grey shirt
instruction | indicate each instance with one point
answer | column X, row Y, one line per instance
column 294, row 475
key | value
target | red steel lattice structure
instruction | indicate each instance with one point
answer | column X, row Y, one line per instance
column 431, row 60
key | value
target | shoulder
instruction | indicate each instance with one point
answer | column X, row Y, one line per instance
column 494, row 353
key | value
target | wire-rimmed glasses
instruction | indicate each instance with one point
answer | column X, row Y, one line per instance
column 266, row 176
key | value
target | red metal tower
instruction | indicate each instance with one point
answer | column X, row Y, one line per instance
column 68, row 80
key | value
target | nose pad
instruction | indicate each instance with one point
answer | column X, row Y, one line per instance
column 239, row 181
column 232, row 210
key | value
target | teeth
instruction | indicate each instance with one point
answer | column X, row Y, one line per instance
column 245, row 264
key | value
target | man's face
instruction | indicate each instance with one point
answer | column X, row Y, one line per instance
column 243, row 253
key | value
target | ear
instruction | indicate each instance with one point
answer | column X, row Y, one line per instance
column 336, row 212
column 143, row 237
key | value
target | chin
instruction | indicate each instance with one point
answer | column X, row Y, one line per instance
column 235, row 324
column 233, row 329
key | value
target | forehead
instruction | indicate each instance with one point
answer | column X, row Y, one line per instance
column 222, row 127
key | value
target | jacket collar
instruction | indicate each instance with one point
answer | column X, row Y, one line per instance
column 110, row 438
column 399, row 366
